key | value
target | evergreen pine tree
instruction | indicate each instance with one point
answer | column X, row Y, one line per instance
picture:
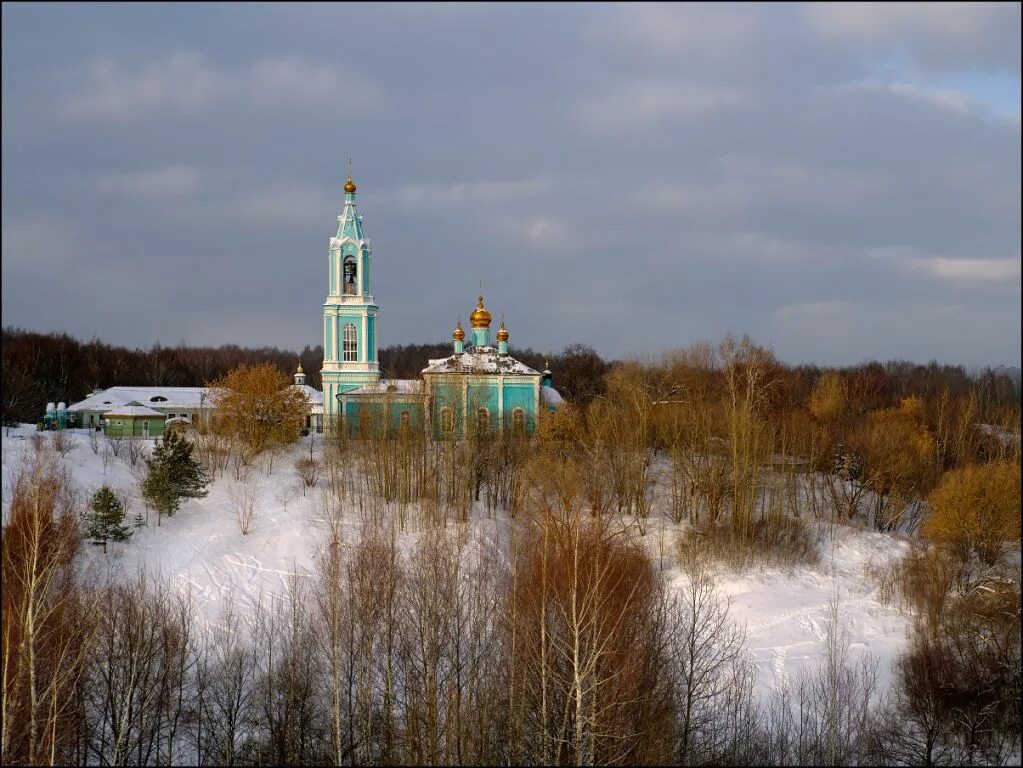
column 173, row 475
column 105, row 520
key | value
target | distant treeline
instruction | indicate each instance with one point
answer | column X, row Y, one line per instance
column 44, row 367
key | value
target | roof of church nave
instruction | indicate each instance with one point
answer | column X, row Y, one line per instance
column 393, row 386
column 482, row 360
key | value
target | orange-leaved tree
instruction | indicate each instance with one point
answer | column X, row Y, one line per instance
column 976, row 508
column 828, row 402
column 899, row 458
column 256, row 406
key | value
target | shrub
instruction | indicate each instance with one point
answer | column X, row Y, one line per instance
column 976, row 508
column 896, row 456
column 777, row 539
column 309, row 470
column 923, row 580
column 827, row 401
column 957, row 691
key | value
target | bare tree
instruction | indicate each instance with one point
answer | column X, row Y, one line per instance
column 107, row 454
column 225, row 681
column 62, row 441
column 46, row 619
column 243, row 501
column 308, row 470
column 714, row 676
column 139, row 673
column 287, row 670
column 134, row 451
column 831, row 716
column 286, row 493
column 115, row 444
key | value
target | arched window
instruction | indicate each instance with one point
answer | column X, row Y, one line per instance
column 482, row 421
column 447, row 421
column 405, row 422
column 365, row 422
column 350, row 341
column 348, row 277
column 518, row 421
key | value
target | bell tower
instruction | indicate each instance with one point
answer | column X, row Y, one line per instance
column 349, row 312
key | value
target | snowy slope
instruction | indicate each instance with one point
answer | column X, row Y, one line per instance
column 786, row 613
column 201, row 549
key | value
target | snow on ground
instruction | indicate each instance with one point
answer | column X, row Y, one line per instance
column 787, row 613
column 201, row 549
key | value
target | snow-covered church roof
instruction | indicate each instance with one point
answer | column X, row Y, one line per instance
column 314, row 395
column 480, row 360
column 162, row 397
column 389, row 386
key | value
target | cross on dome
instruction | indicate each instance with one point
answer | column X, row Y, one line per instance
column 349, row 185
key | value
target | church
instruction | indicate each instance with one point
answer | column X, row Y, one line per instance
column 478, row 390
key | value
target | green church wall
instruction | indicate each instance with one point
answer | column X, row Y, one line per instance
column 520, row 396
column 385, row 413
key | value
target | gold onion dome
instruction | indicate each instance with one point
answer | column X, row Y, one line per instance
column 349, row 185
column 459, row 334
column 480, row 317
column 502, row 332
column 299, row 368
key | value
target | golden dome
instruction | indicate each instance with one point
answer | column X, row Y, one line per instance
column 349, row 185
column 459, row 334
column 480, row 317
column 299, row 368
column 502, row 332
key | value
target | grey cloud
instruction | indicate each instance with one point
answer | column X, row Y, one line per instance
column 633, row 177
column 1005, row 271
column 940, row 35
column 185, row 83
column 156, row 182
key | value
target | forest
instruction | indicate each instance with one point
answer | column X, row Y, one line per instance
column 50, row 367
column 562, row 643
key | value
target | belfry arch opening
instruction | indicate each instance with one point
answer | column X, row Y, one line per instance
column 349, row 276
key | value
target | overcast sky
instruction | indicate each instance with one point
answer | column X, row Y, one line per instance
column 839, row 182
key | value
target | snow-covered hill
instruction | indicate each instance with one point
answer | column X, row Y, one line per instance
column 201, row 549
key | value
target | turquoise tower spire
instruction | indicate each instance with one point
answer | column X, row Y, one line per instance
column 350, row 311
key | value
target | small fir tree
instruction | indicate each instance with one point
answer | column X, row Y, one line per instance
column 173, row 475
column 105, row 520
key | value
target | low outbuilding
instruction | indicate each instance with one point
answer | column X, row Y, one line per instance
column 134, row 420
